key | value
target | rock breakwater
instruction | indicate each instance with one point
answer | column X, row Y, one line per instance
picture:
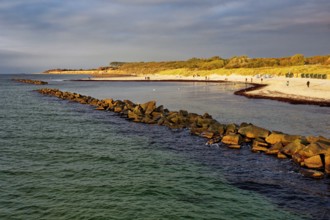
column 30, row 81
column 311, row 153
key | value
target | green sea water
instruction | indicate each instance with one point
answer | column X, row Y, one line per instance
column 63, row 160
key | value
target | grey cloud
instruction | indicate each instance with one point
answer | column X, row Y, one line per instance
column 91, row 33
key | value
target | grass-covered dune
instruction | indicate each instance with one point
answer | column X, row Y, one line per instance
column 241, row 65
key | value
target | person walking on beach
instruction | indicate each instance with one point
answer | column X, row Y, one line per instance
column 308, row 84
column 287, row 83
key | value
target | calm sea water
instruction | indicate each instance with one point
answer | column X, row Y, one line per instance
column 63, row 160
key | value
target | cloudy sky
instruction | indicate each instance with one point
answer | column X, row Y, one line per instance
column 36, row 35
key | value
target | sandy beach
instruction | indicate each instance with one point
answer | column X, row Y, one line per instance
column 275, row 87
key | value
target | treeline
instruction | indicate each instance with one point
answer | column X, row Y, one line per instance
column 217, row 62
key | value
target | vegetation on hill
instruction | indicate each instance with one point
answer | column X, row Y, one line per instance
column 296, row 64
column 217, row 62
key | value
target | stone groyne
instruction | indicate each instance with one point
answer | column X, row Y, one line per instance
column 30, row 81
column 311, row 153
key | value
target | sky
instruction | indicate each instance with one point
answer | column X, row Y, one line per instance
column 36, row 35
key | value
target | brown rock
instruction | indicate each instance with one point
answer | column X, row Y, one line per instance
column 292, row 148
column 218, row 128
column 118, row 108
column 156, row 115
column 207, row 116
column 100, row 108
column 148, row 120
column 327, row 163
column 281, row 155
column 313, row 139
column 275, row 137
column 234, row 146
column 275, row 148
column 299, row 159
column 197, row 131
column 312, row 173
column 148, row 107
column 183, row 113
column 259, row 145
column 314, row 162
column 213, row 140
column 129, row 104
column 247, row 140
column 207, row 134
column 131, row 115
column 315, row 148
column 192, row 118
column 252, row 131
column 204, row 122
column 231, row 128
column 232, row 139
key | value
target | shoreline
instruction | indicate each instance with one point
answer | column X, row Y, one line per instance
column 289, row 90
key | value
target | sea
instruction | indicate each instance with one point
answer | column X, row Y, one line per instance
column 63, row 160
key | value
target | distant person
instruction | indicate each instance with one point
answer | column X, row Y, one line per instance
column 262, row 80
column 308, row 84
column 287, row 83
column 245, row 80
column 251, row 80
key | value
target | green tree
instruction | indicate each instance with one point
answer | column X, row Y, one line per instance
column 297, row 59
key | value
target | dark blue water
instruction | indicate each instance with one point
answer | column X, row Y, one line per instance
column 63, row 160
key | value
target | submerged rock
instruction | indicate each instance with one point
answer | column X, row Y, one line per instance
column 30, row 81
column 312, row 173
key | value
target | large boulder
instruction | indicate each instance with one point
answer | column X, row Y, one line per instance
column 252, row 131
column 315, row 148
column 314, row 162
column 275, row 137
column 232, row 139
column 259, row 145
column 207, row 134
column 313, row 139
column 217, row 128
column 204, row 122
column 129, row 105
column 192, row 118
column 133, row 116
column 231, row 129
column 156, row 115
column 327, row 163
column 275, row 148
column 292, row 148
column 148, row 107
column 137, row 110
column 109, row 102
